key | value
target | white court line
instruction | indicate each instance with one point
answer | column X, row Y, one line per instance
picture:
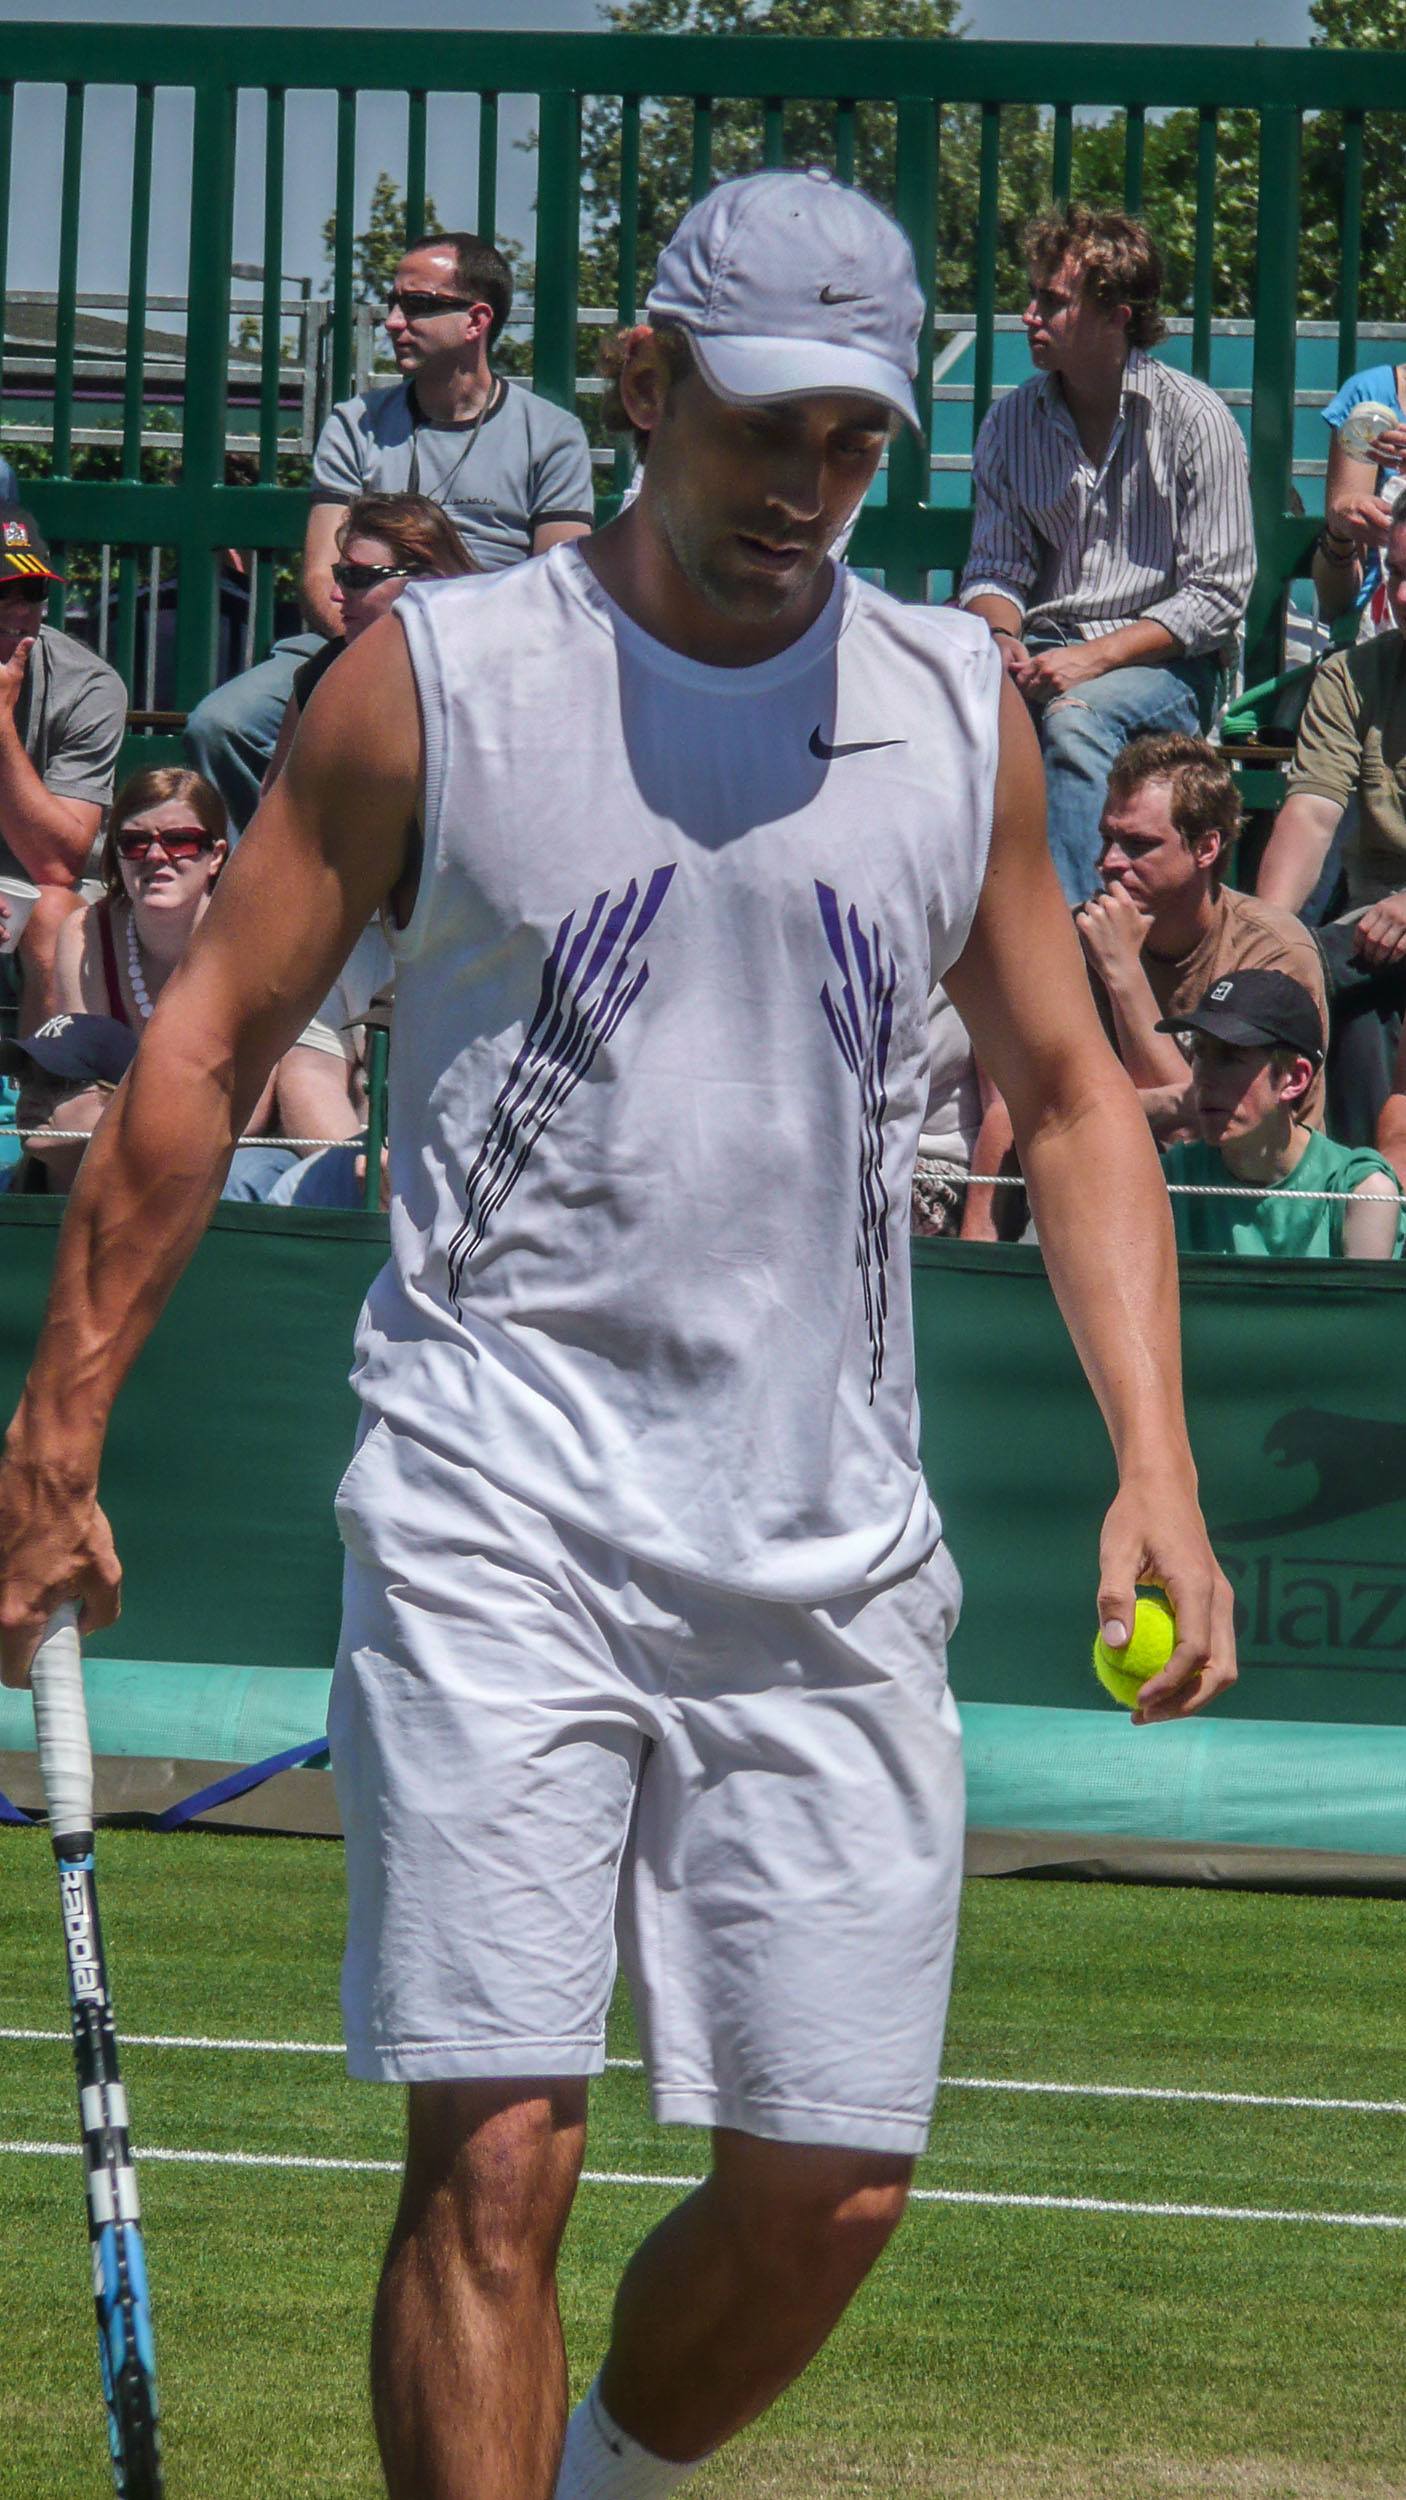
column 685, row 2179
column 950, row 2083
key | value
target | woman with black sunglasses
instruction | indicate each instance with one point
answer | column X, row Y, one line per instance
column 165, row 845
column 384, row 542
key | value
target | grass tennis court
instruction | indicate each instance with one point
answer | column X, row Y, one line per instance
column 1044, row 2351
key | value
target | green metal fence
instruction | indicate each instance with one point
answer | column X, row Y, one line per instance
column 199, row 514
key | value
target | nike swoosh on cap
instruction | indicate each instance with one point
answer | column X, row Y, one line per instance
column 836, row 295
column 855, row 746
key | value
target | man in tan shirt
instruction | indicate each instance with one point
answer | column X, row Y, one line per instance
column 1166, row 927
column 1351, row 751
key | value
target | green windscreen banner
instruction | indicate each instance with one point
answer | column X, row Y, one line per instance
column 1296, row 1394
column 229, row 1439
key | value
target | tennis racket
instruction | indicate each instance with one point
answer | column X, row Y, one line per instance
column 125, row 2347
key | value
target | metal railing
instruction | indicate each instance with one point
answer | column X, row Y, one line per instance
column 930, row 87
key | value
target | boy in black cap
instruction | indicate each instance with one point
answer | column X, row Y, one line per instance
column 62, row 716
column 1256, row 1046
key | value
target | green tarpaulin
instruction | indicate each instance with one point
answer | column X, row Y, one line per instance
column 230, row 1437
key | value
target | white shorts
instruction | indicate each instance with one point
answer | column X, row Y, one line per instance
column 532, row 1735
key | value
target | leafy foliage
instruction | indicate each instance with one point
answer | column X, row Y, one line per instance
column 1024, row 182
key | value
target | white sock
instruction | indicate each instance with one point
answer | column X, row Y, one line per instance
column 602, row 2462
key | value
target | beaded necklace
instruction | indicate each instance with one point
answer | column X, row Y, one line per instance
column 134, row 970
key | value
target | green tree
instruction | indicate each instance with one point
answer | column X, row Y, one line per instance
column 1169, row 187
column 378, row 248
column 666, row 136
column 1370, row 26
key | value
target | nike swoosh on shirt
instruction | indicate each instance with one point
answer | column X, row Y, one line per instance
column 856, row 746
column 833, row 295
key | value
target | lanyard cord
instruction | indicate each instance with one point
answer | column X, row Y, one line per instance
column 496, row 386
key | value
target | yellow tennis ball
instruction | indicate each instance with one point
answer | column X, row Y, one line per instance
column 1123, row 1672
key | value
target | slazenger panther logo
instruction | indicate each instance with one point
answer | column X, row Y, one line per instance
column 1359, row 1462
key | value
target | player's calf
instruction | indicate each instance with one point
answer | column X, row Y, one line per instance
column 726, row 2303
column 468, row 2372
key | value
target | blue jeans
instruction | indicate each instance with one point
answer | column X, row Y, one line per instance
column 255, row 1169
column 1080, row 734
column 231, row 735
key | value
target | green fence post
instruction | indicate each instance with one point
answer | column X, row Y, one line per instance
column 700, row 169
column 271, row 315
column 66, row 311
column 1062, row 155
column 416, row 112
column 627, row 265
column 138, row 254
column 915, row 199
column 122, row 649
column 207, row 390
column 558, row 249
column 1204, row 279
column 487, row 211
column 988, row 221
column 627, row 256
column 1350, row 266
column 1272, row 411
column 7, row 126
column 844, row 140
column 344, row 246
column 1134, row 149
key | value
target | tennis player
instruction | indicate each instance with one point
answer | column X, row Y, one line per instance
column 647, row 1603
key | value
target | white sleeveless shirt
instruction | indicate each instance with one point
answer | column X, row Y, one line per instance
column 659, row 1067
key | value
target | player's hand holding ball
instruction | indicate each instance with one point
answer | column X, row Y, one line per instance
column 1123, row 1672
column 1166, row 1610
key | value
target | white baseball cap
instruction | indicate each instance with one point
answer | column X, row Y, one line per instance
column 791, row 283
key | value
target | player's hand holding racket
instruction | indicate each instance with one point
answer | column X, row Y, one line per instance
column 55, row 1546
column 1154, row 1532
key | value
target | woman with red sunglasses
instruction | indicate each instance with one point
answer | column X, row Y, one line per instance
column 165, row 845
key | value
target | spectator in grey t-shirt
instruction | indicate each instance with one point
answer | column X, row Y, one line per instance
column 62, row 716
column 512, row 470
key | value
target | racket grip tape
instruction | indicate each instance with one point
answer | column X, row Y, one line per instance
column 61, row 1725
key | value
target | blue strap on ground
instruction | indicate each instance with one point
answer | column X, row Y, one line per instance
column 309, row 1757
column 14, row 1814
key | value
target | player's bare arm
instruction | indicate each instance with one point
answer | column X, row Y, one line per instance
column 324, row 851
column 1104, row 1223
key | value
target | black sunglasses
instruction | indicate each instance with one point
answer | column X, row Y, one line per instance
column 25, row 588
column 417, row 305
column 366, row 576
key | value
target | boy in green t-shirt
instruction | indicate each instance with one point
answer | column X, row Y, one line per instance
column 1257, row 1043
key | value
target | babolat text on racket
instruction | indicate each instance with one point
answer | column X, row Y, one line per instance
column 125, row 2346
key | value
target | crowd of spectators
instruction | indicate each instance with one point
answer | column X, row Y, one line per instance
column 1112, row 557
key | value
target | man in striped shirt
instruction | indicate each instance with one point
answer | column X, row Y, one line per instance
column 1112, row 550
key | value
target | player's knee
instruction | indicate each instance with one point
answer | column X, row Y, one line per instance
column 1068, row 726
column 821, row 2226
column 488, row 2180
